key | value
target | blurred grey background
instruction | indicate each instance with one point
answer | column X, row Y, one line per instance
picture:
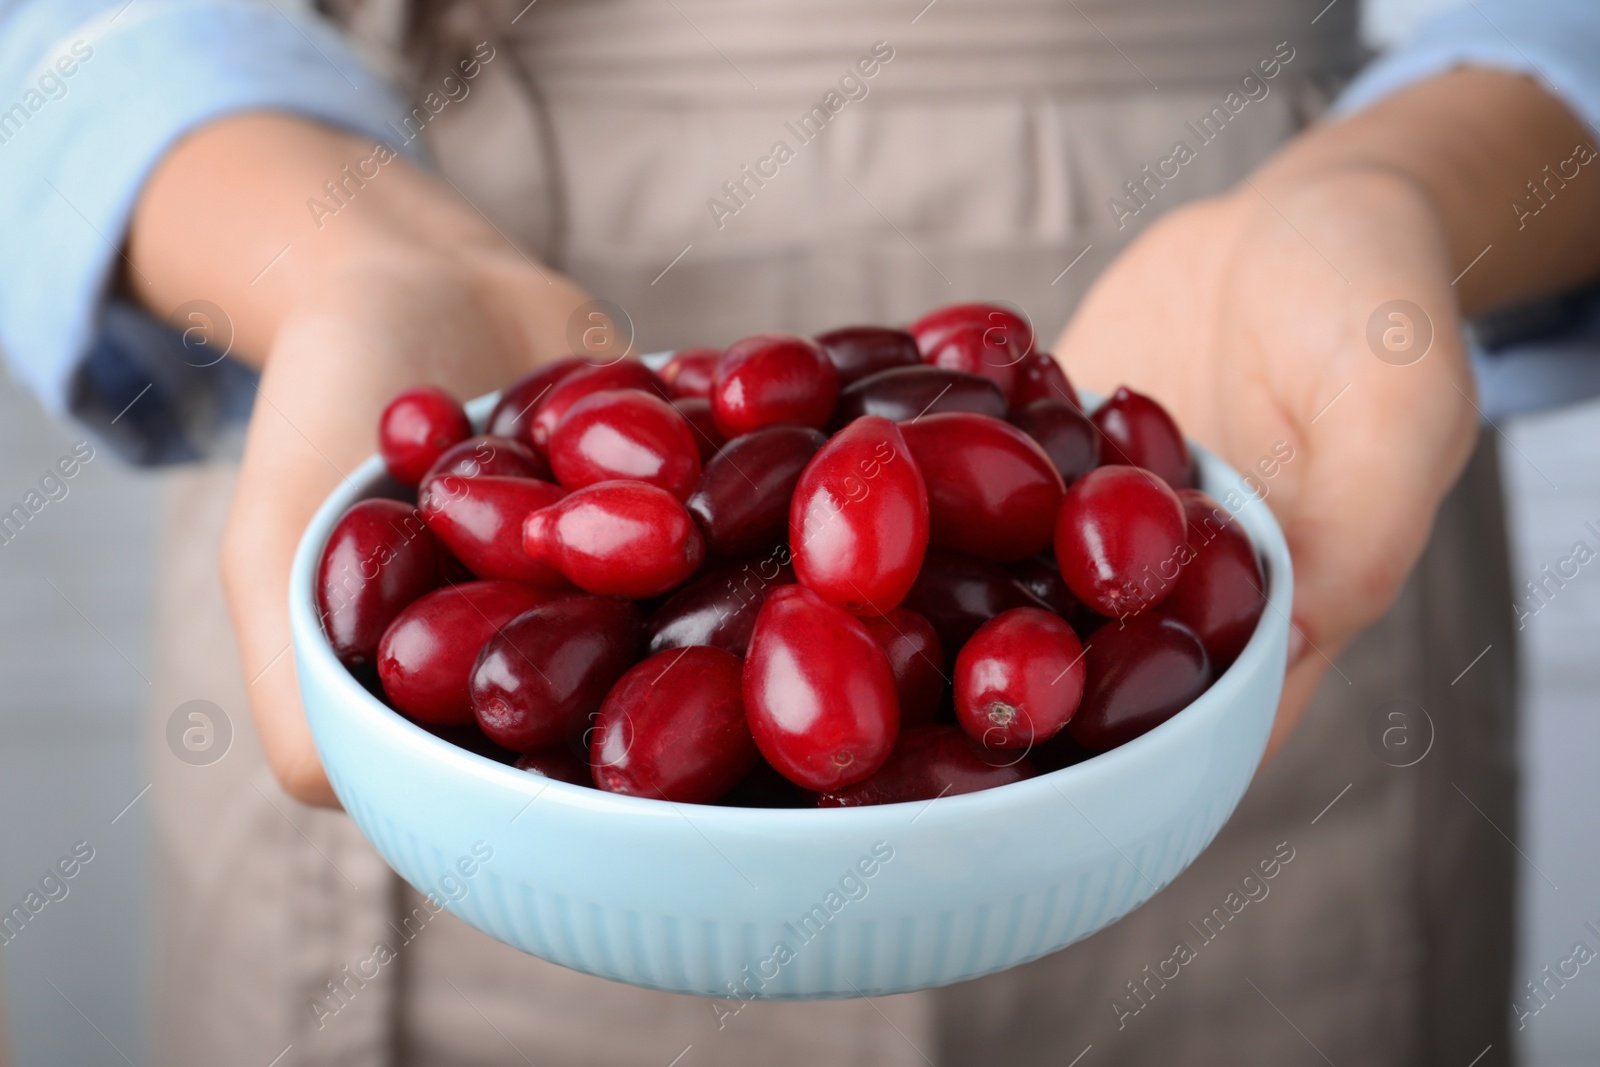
column 74, row 653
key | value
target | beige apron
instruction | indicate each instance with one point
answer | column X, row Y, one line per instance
column 633, row 143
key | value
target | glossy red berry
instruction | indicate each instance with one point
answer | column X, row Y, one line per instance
column 1221, row 592
column 773, row 379
column 929, row 762
column 674, row 729
column 1119, row 537
column 623, row 374
column 696, row 411
column 1138, row 432
column 857, row 351
column 818, row 692
column 1040, row 377
column 1006, row 327
column 718, row 608
column 977, row 349
column 1019, row 679
column 550, row 667
column 480, row 522
column 689, row 372
column 992, row 491
column 858, row 523
column 1066, row 434
column 915, row 657
column 513, row 413
column 625, row 434
column 416, row 428
column 425, row 657
column 1140, row 674
column 742, row 498
column 617, row 538
column 379, row 558
column 487, row 454
column 958, row 593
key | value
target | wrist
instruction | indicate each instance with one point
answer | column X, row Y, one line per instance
column 1472, row 143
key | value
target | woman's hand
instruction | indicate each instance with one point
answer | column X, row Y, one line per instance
column 405, row 286
column 1265, row 316
column 1248, row 319
column 376, row 328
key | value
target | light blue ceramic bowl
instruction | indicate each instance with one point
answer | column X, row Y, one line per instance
column 791, row 904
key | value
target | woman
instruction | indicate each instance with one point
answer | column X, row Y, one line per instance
column 1016, row 149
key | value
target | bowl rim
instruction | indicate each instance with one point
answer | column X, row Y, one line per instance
column 313, row 650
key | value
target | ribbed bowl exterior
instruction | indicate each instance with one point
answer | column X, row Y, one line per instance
column 792, row 904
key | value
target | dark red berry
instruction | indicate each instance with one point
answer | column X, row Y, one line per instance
column 416, row 428
column 558, row 764
column 617, row 538
column 674, row 729
column 906, row 393
column 425, row 658
column 764, row 787
column 1066, row 434
column 917, row 660
column 742, row 498
column 689, row 372
column 1221, row 592
column 958, row 593
column 379, row 558
column 773, row 379
column 513, row 414
column 1138, row 432
column 929, row 762
column 992, row 491
column 857, row 351
column 1019, row 679
column 1040, row 576
column 818, row 692
column 1118, row 540
column 718, row 608
column 551, row 667
column 1140, row 674
column 858, row 523
column 1058, row 752
column 1040, row 377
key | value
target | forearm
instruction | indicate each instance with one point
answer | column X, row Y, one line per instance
column 1472, row 140
column 240, row 213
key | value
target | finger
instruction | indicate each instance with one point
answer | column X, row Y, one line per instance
column 1300, row 683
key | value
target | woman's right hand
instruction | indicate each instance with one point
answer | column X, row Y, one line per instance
column 407, row 285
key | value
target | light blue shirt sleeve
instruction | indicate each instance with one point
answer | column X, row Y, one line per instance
column 92, row 95
column 1526, row 359
column 1555, row 41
